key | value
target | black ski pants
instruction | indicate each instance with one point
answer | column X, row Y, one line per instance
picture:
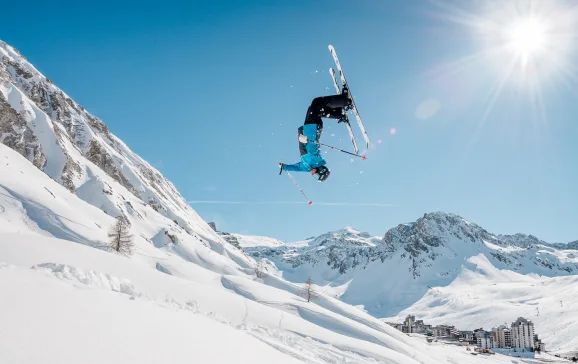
column 324, row 106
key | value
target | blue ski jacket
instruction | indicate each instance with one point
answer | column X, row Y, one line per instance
column 312, row 159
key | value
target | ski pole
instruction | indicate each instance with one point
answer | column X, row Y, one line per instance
column 344, row 151
column 297, row 185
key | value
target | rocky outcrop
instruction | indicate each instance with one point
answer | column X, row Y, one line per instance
column 15, row 133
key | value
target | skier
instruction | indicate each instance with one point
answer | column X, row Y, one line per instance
column 332, row 107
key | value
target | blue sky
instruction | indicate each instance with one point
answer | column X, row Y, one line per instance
column 212, row 95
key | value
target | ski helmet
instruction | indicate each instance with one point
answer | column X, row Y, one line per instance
column 323, row 173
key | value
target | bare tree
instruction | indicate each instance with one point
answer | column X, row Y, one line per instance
column 121, row 240
column 308, row 291
column 259, row 269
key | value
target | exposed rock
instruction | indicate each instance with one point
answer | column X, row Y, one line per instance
column 15, row 133
column 97, row 155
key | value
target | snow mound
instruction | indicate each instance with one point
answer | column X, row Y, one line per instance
column 90, row 278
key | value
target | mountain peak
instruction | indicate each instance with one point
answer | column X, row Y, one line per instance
column 345, row 236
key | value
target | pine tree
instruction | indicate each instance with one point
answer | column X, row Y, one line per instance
column 120, row 238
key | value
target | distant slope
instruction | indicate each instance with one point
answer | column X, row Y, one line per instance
column 251, row 241
column 483, row 296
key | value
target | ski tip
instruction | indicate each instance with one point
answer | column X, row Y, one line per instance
column 310, row 203
column 364, row 157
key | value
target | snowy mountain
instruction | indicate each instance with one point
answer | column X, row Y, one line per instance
column 388, row 274
column 77, row 150
column 571, row 245
column 185, row 294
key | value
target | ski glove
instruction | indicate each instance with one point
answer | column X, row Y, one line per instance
column 303, row 139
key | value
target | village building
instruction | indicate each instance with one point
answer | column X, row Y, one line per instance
column 502, row 336
column 468, row 337
column 539, row 346
column 518, row 337
column 522, row 334
column 484, row 339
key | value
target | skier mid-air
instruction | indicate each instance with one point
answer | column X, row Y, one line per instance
column 332, row 107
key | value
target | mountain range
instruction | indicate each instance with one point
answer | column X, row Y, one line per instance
column 428, row 252
column 441, row 268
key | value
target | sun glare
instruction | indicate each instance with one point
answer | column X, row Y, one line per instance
column 527, row 37
column 522, row 50
column 525, row 43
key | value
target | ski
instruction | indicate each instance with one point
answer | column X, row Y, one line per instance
column 345, row 85
column 347, row 123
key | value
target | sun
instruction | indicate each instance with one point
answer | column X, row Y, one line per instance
column 527, row 38
column 510, row 56
column 527, row 44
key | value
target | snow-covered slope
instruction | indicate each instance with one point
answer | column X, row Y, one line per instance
column 77, row 150
column 251, row 241
column 59, row 314
column 68, row 303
